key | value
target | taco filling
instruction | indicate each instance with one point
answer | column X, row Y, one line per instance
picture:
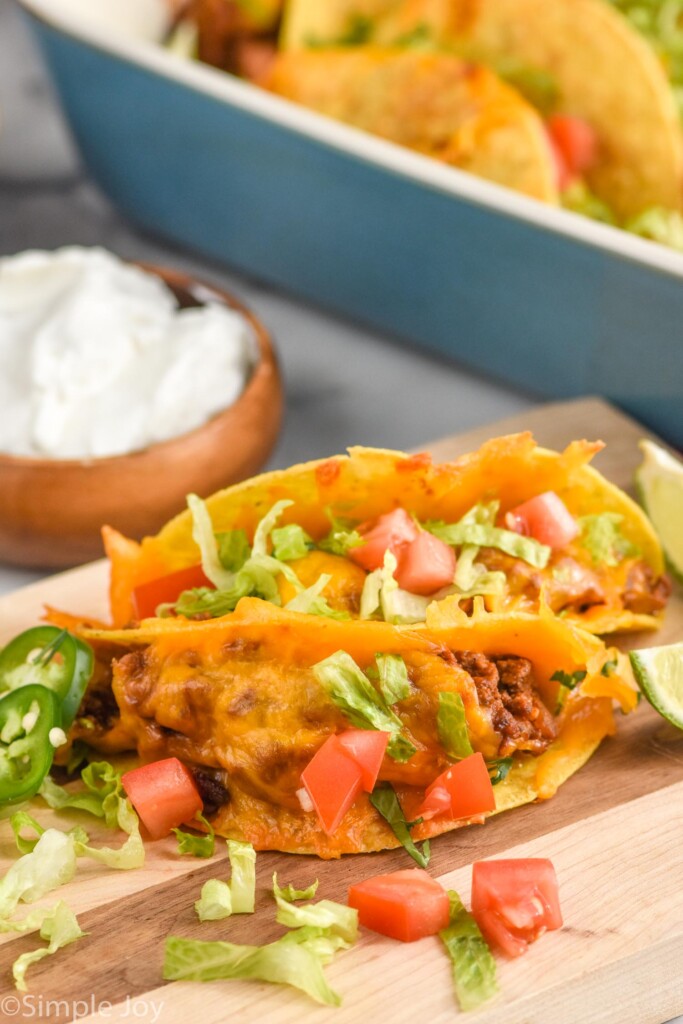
column 300, row 731
column 381, row 536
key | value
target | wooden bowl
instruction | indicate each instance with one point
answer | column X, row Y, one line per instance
column 51, row 510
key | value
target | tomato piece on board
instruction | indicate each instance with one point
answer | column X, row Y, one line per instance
column 333, row 780
column 576, row 142
column 425, row 565
column 515, row 902
column 166, row 590
column 546, row 518
column 405, row 905
column 469, row 787
column 164, row 794
column 367, row 748
column 391, row 532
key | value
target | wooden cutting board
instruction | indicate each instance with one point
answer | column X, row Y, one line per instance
column 614, row 832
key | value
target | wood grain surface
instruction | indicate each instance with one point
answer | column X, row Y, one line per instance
column 613, row 831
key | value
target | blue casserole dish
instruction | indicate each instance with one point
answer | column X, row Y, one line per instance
column 534, row 295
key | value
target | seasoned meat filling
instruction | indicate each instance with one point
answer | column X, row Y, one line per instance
column 505, row 685
column 213, row 791
column 646, row 593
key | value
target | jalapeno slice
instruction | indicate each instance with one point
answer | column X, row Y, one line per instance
column 49, row 657
column 27, row 715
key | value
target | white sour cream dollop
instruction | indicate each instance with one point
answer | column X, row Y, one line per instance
column 96, row 358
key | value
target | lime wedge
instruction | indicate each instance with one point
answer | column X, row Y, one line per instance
column 659, row 671
column 659, row 480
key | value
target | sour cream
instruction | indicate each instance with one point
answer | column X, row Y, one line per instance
column 97, row 359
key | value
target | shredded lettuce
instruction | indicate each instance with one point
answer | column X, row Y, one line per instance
column 220, row 899
column 284, row 962
column 59, row 927
column 384, row 800
column 296, row 959
column 311, row 602
column 215, row 901
column 233, row 549
column 601, row 536
column 51, row 863
column 267, row 525
column 290, row 542
column 477, row 527
column 334, row 919
column 256, row 576
column 659, row 225
column 289, row 893
column 474, row 969
column 243, row 879
column 104, row 797
column 383, row 598
column 579, row 199
column 203, row 536
column 452, row 726
column 343, row 536
column 18, row 822
column 351, row 690
column 393, row 677
column 197, row 846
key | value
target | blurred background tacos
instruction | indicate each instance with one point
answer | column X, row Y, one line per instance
column 578, row 59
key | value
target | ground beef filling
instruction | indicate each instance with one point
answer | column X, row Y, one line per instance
column 505, row 685
column 646, row 593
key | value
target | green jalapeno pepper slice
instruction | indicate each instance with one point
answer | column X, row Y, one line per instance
column 49, row 657
column 27, row 715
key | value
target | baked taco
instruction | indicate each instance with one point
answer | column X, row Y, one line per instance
column 305, row 734
column 433, row 103
column 602, row 89
column 383, row 535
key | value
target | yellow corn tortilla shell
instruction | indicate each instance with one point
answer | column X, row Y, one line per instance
column 605, row 72
column 433, row 103
column 280, row 638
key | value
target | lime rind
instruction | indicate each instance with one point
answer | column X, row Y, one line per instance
column 659, row 673
column 659, row 485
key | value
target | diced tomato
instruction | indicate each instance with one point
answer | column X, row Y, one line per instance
column 468, row 785
column 333, row 780
column 515, row 902
column 405, row 905
column 436, row 802
column 166, row 589
column 576, row 142
column 563, row 176
column 392, row 532
column 367, row 747
column 427, row 564
column 546, row 518
column 164, row 794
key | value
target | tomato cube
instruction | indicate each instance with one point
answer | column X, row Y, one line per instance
column 405, row 905
column 164, row 794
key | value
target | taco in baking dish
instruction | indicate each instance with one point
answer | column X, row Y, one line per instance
column 603, row 90
column 436, row 104
column 311, row 735
column 382, row 535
